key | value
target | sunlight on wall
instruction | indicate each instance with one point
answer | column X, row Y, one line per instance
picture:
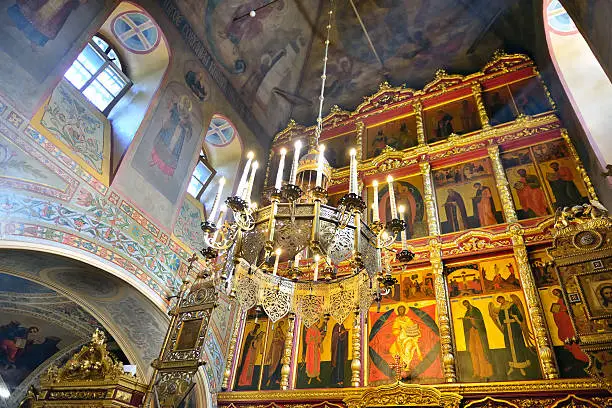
column 585, row 82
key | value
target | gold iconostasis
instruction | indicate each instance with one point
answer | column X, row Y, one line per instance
column 470, row 157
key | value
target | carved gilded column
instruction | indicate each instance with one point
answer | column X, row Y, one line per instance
column 230, row 355
column 435, row 257
column 356, row 363
column 587, row 180
column 502, row 185
column 442, row 306
column 360, row 126
column 418, row 114
column 542, row 337
column 286, row 360
column 429, row 200
column 482, row 112
column 547, row 92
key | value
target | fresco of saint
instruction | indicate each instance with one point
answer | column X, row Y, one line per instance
column 340, row 343
column 484, row 207
column 530, row 194
column 175, row 131
column 275, row 353
column 312, row 353
column 477, row 342
column 252, row 348
column 41, row 20
column 565, row 329
column 561, row 181
column 509, row 317
column 456, row 214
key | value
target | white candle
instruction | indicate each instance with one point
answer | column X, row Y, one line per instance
column 320, row 165
column 281, row 168
column 249, row 189
column 296, row 260
column 392, row 198
column 296, row 160
column 316, row 268
column 353, row 172
column 220, row 221
column 277, row 252
column 217, row 202
column 243, row 180
column 375, row 215
column 402, row 210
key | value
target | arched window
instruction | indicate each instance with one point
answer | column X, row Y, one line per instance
column 201, row 177
column 98, row 74
column 586, row 84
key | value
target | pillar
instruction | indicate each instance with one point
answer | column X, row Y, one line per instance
column 502, row 185
column 230, row 355
column 583, row 174
column 542, row 336
column 360, row 126
column 286, row 360
column 418, row 113
column 356, row 363
column 435, row 258
column 482, row 112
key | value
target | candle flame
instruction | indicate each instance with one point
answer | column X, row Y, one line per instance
column 317, row 258
column 283, row 151
column 353, row 152
column 321, row 148
column 277, row 252
column 375, row 183
column 298, row 144
column 255, row 164
column 389, row 179
column 250, row 155
column 401, row 209
column 222, row 180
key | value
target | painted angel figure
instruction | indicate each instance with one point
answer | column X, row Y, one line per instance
column 509, row 317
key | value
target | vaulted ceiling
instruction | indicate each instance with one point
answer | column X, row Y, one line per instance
column 274, row 59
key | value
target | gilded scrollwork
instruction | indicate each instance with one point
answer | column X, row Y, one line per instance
column 502, row 185
column 429, row 199
column 542, row 336
column 418, row 114
column 581, row 170
column 406, row 395
column 356, row 363
column 286, row 359
column 230, row 354
column 482, row 112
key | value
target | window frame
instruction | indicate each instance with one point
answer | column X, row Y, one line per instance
column 204, row 160
column 107, row 62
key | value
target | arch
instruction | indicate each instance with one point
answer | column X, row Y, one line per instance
column 143, row 46
column 224, row 148
column 584, row 80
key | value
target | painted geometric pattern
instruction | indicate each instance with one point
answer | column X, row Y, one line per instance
column 136, row 32
column 73, row 122
column 187, row 227
column 220, row 132
column 558, row 19
column 103, row 224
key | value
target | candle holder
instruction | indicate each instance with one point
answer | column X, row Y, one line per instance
column 396, row 226
column 294, row 273
column 387, row 281
column 208, row 227
column 352, row 203
column 328, row 274
column 318, row 193
column 291, row 192
column 209, row 253
column 404, row 255
column 377, row 227
column 275, row 195
column 237, row 204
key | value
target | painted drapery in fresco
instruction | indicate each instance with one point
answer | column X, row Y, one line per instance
column 467, row 196
column 571, row 359
column 405, row 328
column 494, row 340
column 324, row 354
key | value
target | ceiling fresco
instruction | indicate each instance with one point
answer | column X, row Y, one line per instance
column 275, row 62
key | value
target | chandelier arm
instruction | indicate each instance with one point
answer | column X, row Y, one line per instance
column 319, row 128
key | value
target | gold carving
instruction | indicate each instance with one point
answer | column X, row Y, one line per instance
column 286, row 360
column 230, row 354
column 542, row 336
column 490, row 402
column 502, row 185
column 356, row 363
column 418, row 114
column 406, row 395
column 360, row 127
column 446, row 339
column 583, row 174
column 92, row 362
column 572, row 401
column 482, row 112
column 429, row 200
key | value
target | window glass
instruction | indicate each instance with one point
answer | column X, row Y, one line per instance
column 97, row 74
